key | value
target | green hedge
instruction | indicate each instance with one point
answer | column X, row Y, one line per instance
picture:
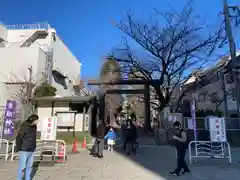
column 69, row 138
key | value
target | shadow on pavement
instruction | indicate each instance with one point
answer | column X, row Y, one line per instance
column 35, row 169
column 160, row 160
column 150, row 158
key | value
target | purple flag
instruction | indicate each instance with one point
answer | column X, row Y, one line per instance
column 9, row 117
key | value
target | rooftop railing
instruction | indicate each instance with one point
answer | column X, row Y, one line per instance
column 41, row 25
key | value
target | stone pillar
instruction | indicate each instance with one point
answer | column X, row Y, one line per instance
column 84, row 117
column 147, row 120
column 93, row 118
column 102, row 108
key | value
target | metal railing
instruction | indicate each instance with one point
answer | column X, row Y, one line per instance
column 45, row 149
column 40, row 25
column 232, row 130
column 207, row 149
column 4, row 145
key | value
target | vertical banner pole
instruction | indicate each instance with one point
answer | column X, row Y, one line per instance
column 193, row 114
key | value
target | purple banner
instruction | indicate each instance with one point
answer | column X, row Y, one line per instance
column 193, row 114
column 9, row 117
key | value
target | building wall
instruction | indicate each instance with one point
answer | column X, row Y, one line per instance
column 18, row 36
column 204, row 95
column 17, row 59
column 15, row 70
column 65, row 63
column 3, row 33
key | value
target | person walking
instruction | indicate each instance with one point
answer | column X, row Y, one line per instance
column 26, row 145
column 123, row 133
column 111, row 138
column 135, row 135
column 130, row 137
column 180, row 141
column 100, row 139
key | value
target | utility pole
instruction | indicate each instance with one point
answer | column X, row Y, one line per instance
column 232, row 48
column 29, row 85
column 228, row 29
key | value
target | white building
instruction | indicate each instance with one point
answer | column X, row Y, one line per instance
column 37, row 46
column 209, row 92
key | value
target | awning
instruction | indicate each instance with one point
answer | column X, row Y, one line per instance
column 73, row 99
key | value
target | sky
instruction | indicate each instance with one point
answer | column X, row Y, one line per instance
column 88, row 26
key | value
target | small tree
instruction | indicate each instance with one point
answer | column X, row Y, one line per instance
column 44, row 90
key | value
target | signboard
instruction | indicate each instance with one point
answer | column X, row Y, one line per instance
column 217, row 129
column 65, row 119
column 9, row 117
column 193, row 114
column 49, row 128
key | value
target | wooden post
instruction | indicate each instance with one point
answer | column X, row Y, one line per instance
column 84, row 116
column 52, row 111
column 147, row 120
column 29, row 85
column 93, row 117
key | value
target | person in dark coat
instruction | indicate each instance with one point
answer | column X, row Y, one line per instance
column 134, row 132
column 26, row 145
column 100, row 139
column 180, row 141
column 123, row 133
column 130, row 137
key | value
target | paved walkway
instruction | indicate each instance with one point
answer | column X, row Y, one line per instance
column 151, row 163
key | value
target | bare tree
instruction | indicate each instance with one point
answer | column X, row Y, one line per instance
column 169, row 52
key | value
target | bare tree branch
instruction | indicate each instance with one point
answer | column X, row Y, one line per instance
column 21, row 84
column 170, row 52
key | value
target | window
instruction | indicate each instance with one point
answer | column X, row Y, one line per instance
column 213, row 97
column 219, row 78
column 202, row 97
column 214, row 78
column 228, row 78
column 54, row 36
column 233, row 93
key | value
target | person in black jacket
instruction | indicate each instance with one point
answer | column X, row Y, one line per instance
column 26, row 145
column 131, row 134
column 100, row 139
column 180, row 141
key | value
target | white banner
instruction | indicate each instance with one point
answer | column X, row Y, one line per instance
column 190, row 123
column 217, row 129
column 49, row 128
